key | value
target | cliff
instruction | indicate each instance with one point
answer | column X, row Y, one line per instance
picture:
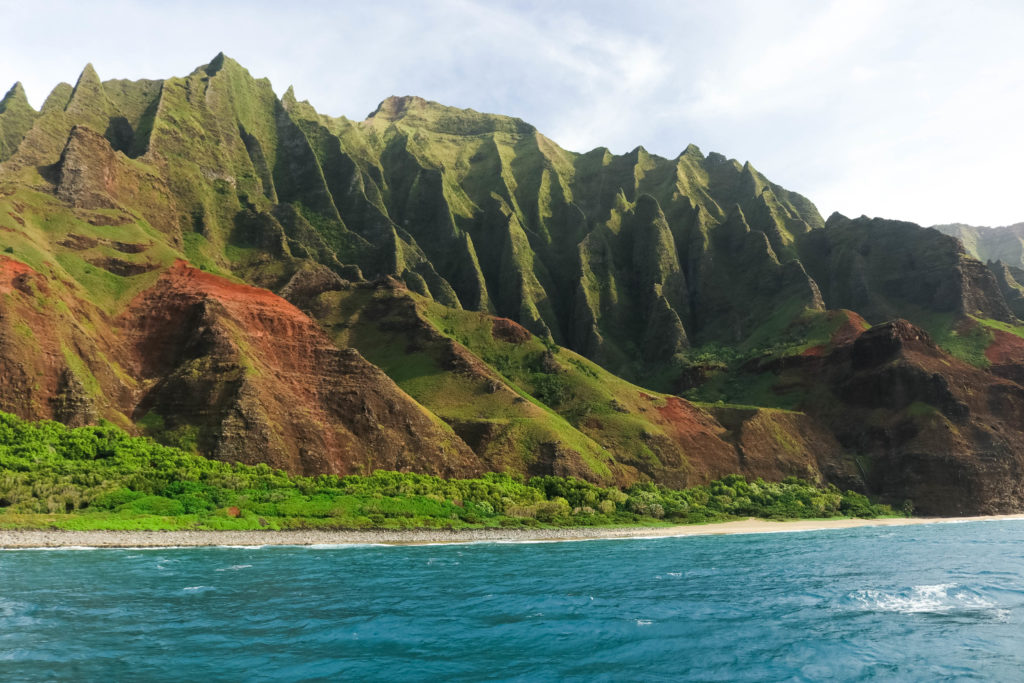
column 449, row 291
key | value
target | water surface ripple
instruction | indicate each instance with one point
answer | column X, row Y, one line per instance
column 908, row 603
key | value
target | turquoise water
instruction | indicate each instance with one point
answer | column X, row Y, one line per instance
column 899, row 603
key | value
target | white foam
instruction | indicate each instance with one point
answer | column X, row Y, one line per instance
column 234, row 567
column 929, row 598
column 643, row 622
column 196, row 589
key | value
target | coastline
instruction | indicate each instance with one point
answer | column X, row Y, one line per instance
column 13, row 539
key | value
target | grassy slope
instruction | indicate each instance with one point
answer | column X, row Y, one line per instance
column 968, row 339
column 37, row 228
column 588, row 399
column 732, row 374
column 511, row 400
column 522, row 421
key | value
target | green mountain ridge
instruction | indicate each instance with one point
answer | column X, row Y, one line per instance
column 458, row 204
column 410, row 236
column 1004, row 243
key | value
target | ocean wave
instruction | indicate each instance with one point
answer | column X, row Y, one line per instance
column 11, row 608
column 937, row 598
column 234, row 568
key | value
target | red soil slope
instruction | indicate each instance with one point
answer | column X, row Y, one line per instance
column 261, row 382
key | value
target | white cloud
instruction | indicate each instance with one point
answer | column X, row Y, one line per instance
column 758, row 75
column 903, row 109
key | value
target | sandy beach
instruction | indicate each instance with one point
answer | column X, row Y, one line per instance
column 35, row 538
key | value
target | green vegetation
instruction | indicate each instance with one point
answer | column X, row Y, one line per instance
column 966, row 339
column 1017, row 330
column 968, row 347
column 640, row 278
column 964, row 342
column 736, row 375
column 196, row 248
column 101, row 478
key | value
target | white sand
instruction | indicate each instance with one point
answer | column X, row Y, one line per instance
column 155, row 539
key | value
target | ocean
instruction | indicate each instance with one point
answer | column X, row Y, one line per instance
column 929, row 602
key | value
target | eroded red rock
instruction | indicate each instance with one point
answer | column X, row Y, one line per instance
column 263, row 383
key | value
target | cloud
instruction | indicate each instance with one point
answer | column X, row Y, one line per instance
column 898, row 108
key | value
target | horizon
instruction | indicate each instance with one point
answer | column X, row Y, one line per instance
column 877, row 109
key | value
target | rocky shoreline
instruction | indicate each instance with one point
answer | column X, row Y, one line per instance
column 55, row 538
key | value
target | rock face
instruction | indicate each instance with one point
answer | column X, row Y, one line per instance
column 260, row 382
column 921, row 425
column 776, row 444
column 232, row 370
column 54, row 352
column 1009, row 278
column 885, row 269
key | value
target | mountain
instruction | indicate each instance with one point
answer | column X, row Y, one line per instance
column 440, row 290
column 1003, row 251
column 1005, row 243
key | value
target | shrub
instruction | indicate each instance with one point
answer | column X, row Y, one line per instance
column 46, row 467
column 157, row 505
column 552, row 510
column 646, row 504
column 115, row 499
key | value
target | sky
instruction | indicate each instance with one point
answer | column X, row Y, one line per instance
column 901, row 109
